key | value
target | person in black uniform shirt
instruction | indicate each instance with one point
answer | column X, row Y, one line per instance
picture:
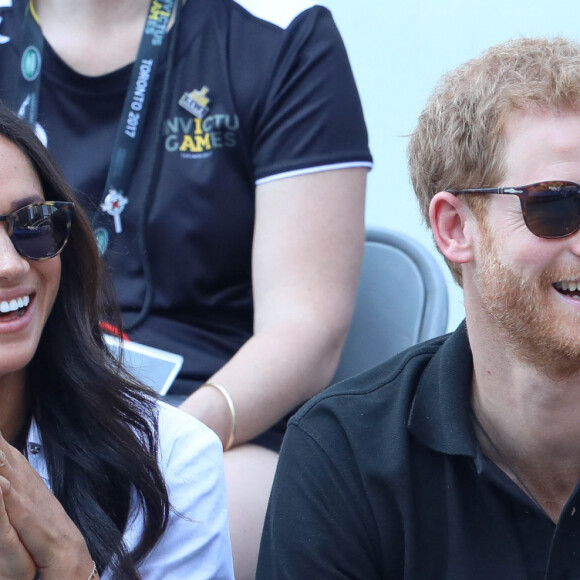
column 459, row 458
column 233, row 164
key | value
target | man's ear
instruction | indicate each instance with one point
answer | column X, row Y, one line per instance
column 453, row 224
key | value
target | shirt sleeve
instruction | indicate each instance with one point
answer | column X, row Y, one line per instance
column 317, row 524
column 196, row 544
column 312, row 116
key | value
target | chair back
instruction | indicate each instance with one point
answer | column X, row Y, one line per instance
column 402, row 300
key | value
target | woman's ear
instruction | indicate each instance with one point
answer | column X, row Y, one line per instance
column 452, row 224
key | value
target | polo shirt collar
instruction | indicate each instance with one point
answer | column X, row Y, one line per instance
column 440, row 415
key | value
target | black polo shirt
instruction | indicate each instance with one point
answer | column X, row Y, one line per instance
column 382, row 477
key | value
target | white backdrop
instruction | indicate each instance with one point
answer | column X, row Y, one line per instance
column 398, row 50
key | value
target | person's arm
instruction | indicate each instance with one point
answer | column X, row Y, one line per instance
column 307, row 253
column 35, row 531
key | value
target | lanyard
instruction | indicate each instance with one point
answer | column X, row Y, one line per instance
column 28, row 86
column 135, row 107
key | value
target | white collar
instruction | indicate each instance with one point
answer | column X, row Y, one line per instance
column 35, row 451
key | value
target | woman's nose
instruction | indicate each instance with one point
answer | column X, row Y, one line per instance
column 12, row 264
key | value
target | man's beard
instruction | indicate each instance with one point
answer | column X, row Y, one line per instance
column 524, row 313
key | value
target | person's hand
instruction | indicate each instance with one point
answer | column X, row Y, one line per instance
column 35, row 526
column 15, row 561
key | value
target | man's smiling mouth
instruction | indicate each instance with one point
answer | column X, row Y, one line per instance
column 569, row 288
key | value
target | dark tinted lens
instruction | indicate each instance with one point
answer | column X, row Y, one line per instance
column 553, row 213
column 40, row 231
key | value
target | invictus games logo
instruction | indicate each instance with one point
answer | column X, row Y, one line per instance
column 157, row 20
column 30, row 63
column 203, row 132
column 195, row 138
column 196, row 102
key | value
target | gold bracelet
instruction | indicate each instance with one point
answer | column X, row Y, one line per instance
column 230, row 403
column 94, row 572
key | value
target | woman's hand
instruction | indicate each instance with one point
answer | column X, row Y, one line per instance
column 15, row 561
column 35, row 531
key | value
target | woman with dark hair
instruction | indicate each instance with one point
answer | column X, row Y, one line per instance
column 220, row 151
column 137, row 486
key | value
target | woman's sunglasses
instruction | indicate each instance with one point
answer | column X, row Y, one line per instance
column 40, row 231
column 551, row 209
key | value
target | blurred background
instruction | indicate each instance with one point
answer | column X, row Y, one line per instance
column 398, row 50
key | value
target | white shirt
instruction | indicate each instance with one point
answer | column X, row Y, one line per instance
column 196, row 543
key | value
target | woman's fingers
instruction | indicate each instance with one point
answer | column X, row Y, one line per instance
column 5, row 466
column 40, row 522
column 15, row 561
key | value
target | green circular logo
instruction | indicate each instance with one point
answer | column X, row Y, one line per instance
column 30, row 64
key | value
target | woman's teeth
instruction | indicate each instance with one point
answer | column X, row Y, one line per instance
column 14, row 304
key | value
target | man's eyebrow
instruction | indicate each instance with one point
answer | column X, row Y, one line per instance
column 23, row 201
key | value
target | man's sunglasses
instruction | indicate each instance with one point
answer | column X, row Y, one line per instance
column 40, row 231
column 551, row 209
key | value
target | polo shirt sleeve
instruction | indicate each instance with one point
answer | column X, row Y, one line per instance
column 318, row 523
column 312, row 116
column 196, row 544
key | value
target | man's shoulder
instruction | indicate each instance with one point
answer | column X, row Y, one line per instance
column 379, row 393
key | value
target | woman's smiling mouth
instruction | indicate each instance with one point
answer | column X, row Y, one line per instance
column 14, row 308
